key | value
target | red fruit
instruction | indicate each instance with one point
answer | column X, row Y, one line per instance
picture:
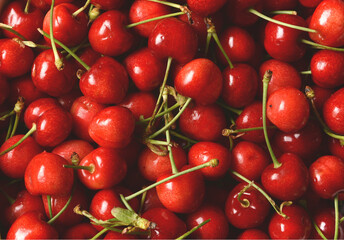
column 4, row 89
column 80, row 231
column 333, row 111
column 151, row 200
column 253, row 234
column 310, row 3
column 205, row 7
column 108, row 34
column 272, row 5
column 108, row 4
column 67, row 148
column 237, row 11
column 88, row 56
column 321, row 95
column 141, row 104
column 45, row 174
column 201, row 80
column 324, row 218
column 336, row 148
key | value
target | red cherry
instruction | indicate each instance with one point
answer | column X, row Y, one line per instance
column 152, row 200
column 325, row 21
column 4, row 90
column 205, row 7
column 108, row 4
column 272, row 5
column 80, row 231
column 67, row 148
column 106, row 82
column 168, row 225
column 41, row 4
column 324, row 218
column 31, row 226
column 333, row 111
column 45, row 174
column 108, row 168
column 112, row 127
column 108, row 34
column 326, row 176
column 336, row 148
column 140, row 104
column 310, row 3
column 288, row 109
column 287, row 182
column 253, row 234
column 88, row 56
column 174, row 38
column 201, row 80
column 57, row 2
column 297, row 226
column 320, row 96
column 238, row 11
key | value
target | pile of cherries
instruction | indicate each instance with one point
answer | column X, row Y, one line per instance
column 214, row 119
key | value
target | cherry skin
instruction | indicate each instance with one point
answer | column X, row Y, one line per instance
column 108, row 34
column 31, row 226
column 152, row 165
column 253, row 234
column 88, row 56
column 336, row 148
column 320, row 96
column 67, row 99
column 57, row 2
column 112, row 127
column 152, row 200
column 80, row 231
column 288, row 109
column 310, row 3
column 45, row 174
column 203, row 123
column 217, row 228
column 272, row 5
column 141, row 104
column 283, row 43
column 24, row 23
column 324, row 218
column 108, row 169
column 325, row 21
column 203, row 152
column 106, row 82
column 333, row 111
column 205, row 7
column 201, row 80
column 249, row 160
column 287, row 182
column 297, row 226
column 174, row 38
column 238, row 11
column 4, row 90
column 328, row 68
column 14, row 163
column 67, row 148
column 325, row 176
column 145, row 69
column 41, row 4
column 108, row 4
column 169, row 226
column 240, row 85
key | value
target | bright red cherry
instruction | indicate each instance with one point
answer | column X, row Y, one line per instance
column 321, row 95
column 253, row 233
column 140, row 104
column 205, row 7
column 108, row 4
column 324, row 218
column 333, row 112
column 336, row 148
column 67, row 148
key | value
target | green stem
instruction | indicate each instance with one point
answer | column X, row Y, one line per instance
column 8, row 114
column 8, row 197
column 163, row 129
column 15, row 125
column 266, row 80
column 234, row 110
column 76, row 13
column 10, row 29
column 26, row 10
column 58, row 61
column 157, row 142
column 210, row 163
column 341, row 220
column 126, row 204
column 89, row 168
column 228, row 132
column 308, row 72
column 336, row 217
column 142, row 202
column 178, row 135
column 174, row 5
column 320, row 46
column 66, row 49
column 185, row 235
column 289, row 12
column 34, row 45
column 99, row 234
column 318, row 230
column 175, row 106
column 49, row 207
column 209, row 36
column 9, row 130
column 255, row 12
column 217, row 40
column 154, row 19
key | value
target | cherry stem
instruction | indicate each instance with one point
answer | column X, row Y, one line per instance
column 75, row 49
column 163, row 129
column 26, row 10
column 99, row 233
column 58, row 61
column 245, row 203
column 49, row 207
column 32, row 130
column 66, row 49
column 142, row 202
column 308, row 72
column 209, row 36
column 178, row 135
column 266, row 80
column 255, row 12
column 341, row 220
column 89, row 168
column 174, row 5
column 225, row 106
column 34, row 45
column 217, row 40
column 157, row 142
column 126, row 204
column 336, row 217
column 320, row 46
column 185, row 235
column 210, row 163
column 76, row 13
column 93, row 13
column 271, row 201
column 289, row 12
column 8, row 114
column 227, row 132
column 10, row 29
column 10, row 126
column 318, row 230
column 175, row 106
column 8, row 197
column 18, row 108
column 154, row 19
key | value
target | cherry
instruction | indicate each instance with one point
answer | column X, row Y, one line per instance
column 41, row 4
column 30, row 226
column 325, row 176
column 203, row 152
column 296, row 226
column 88, row 56
column 272, row 5
column 14, row 163
column 68, row 148
column 240, row 85
column 320, row 96
column 238, row 11
column 201, row 80
column 183, row 194
column 45, row 174
column 217, row 228
column 106, row 82
column 112, row 127
column 205, row 7
column 327, row 68
column 336, row 148
column 80, row 231
column 249, row 159
column 151, row 200
column 67, row 99
column 324, row 218
column 4, row 90
column 333, row 111
column 324, row 20
column 253, row 234
column 105, row 168
column 108, row 34
column 57, row 2
column 25, row 23
column 203, row 123
column 145, row 68
column 174, row 38
column 152, row 165
column 310, row 3
column 108, row 4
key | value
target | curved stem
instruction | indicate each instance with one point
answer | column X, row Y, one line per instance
column 9, row 114
column 289, row 12
column 320, row 46
column 10, row 29
column 175, row 106
column 58, row 61
column 81, row 9
column 255, row 12
column 49, row 207
column 9, row 130
column 336, row 217
column 34, row 45
column 174, row 5
column 99, row 234
column 15, row 125
column 154, row 19
column 217, row 40
column 126, row 204
column 318, row 230
column 211, row 163
column 245, row 203
column 157, row 142
column 266, row 80
column 225, row 106
column 185, row 235
column 178, row 135
column 26, row 9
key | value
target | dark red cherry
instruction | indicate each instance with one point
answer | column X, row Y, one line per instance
column 324, row 218
column 106, row 82
column 253, row 233
column 174, row 38
column 333, row 112
column 203, row 123
column 237, row 11
column 309, row 3
column 243, row 216
column 152, row 200
column 140, row 104
column 67, row 148
column 326, row 176
column 240, row 85
column 336, row 148
column 108, row 4
column 57, row 2
column 168, row 225
column 321, row 95
column 108, row 168
column 31, row 226
column 4, row 90
column 325, row 21
column 88, row 56
column 272, row 5
column 205, row 7
column 67, row 99
column 80, row 231
column 287, row 182
column 296, row 226
column 108, row 34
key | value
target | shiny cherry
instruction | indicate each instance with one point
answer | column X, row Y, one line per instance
column 80, row 231
column 253, row 233
column 324, row 218
column 206, row 7
column 152, row 200
column 333, row 111
column 67, row 148
column 108, row 4
column 141, row 104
